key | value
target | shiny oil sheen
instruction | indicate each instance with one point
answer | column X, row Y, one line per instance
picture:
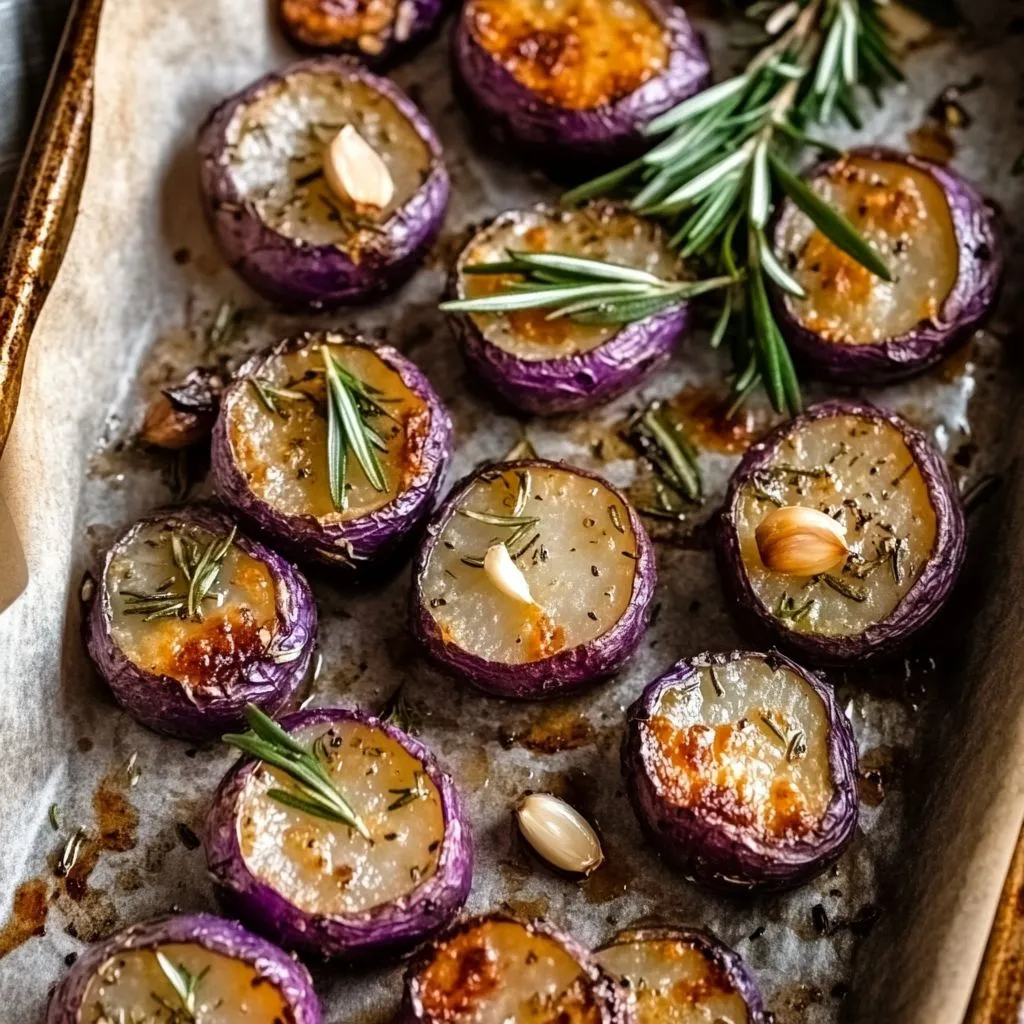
column 904, row 213
column 672, row 981
column 500, row 971
column 580, row 571
column 862, row 472
column 237, row 624
column 276, row 146
column 573, row 54
column 598, row 232
column 323, row 867
column 710, row 746
column 284, row 455
column 231, row 992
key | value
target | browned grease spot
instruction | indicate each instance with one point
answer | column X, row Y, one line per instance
column 526, row 910
column 703, row 414
column 562, row 730
column 610, row 881
column 28, row 915
column 880, row 770
column 932, row 141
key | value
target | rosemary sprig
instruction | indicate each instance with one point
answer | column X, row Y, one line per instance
column 586, row 290
column 185, row 985
column 663, row 444
column 317, row 794
column 723, row 157
column 199, row 571
column 350, row 403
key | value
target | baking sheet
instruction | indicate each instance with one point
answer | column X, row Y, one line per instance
column 132, row 307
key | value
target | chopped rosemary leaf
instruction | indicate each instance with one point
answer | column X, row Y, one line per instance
column 317, row 793
column 842, row 587
column 521, row 525
column 185, row 985
column 417, row 791
column 665, row 447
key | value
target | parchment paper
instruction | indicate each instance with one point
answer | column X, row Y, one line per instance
column 139, row 288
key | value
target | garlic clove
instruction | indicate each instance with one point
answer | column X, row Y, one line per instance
column 355, row 171
column 559, row 833
column 506, row 575
column 799, row 541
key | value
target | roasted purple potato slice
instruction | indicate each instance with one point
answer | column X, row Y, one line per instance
column 375, row 30
column 577, row 78
column 280, row 223
column 882, row 480
column 270, row 450
column 321, row 887
column 682, row 976
column 743, row 770
column 582, row 552
column 494, row 969
column 940, row 242
column 547, row 365
column 184, row 658
column 144, row 972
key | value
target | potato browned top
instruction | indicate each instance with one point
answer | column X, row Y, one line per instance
column 281, row 447
column 132, row 986
column 277, row 142
column 324, row 867
column 335, row 23
column 574, row 54
column 572, row 541
column 745, row 745
column 498, row 971
column 860, row 472
column 903, row 212
column 673, row 981
column 205, row 651
column 598, row 231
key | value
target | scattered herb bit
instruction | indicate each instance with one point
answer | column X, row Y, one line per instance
column 522, row 537
column 900, row 550
column 840, row 586
column 269, row 394
column 797, row 746
column 788, row 609
column 616, row 518
column 767, row 719
column 317, row 793
column 54, row 815
column 522, row 449
column 226, row 323
column 417, row 791
column 586, row 290
column 719, row 688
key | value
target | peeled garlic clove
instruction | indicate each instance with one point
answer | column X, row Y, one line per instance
column 559, row 833
column 799, row 541
column 355, row 171
column 506, row 575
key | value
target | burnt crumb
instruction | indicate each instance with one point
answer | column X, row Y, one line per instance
column 757, row 933
column 864, row 920
column 819, row 918
column 983, row 252
column 188, row 838
column 70, row 958
column 191, row 752
column 839, row 991
column 182, row 256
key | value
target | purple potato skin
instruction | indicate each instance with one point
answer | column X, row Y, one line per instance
column 919, row 605
column 546, row 387
column 609, row 996
column 425, row 19
column 299, row 275
column 341, row 544
column 164, row 704
column 729, row 962
column 723, row 856
column 386, row 930
column 563, row 673
column 228, row 938
column 965, row 309
column 608, row 133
